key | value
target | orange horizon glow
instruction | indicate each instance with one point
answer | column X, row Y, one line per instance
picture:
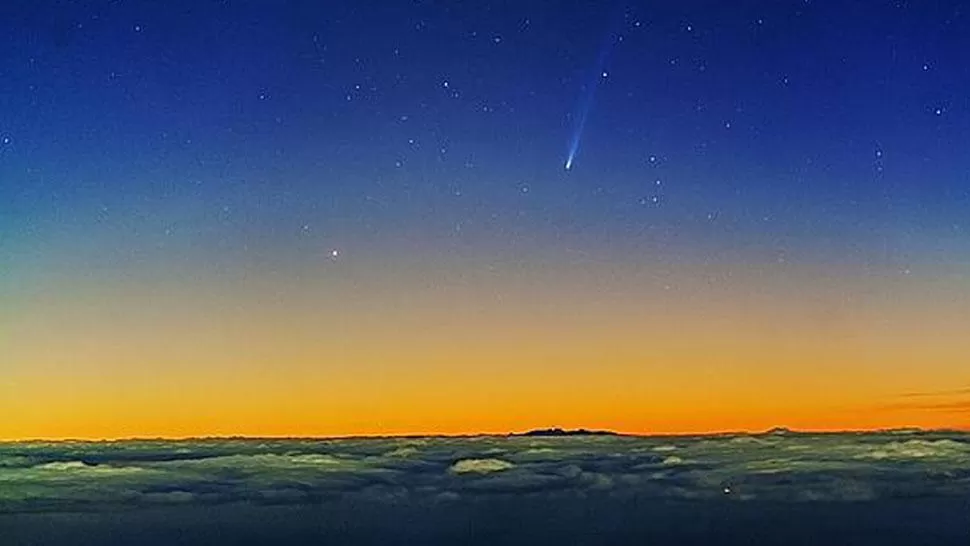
column 466, row 434
column 459, row 350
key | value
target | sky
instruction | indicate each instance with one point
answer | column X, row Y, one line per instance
column 309, row 218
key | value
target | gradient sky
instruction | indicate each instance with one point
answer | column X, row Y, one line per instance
column 316, row 218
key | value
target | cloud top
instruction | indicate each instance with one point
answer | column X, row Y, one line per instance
column 49, row 476
column 480, row 466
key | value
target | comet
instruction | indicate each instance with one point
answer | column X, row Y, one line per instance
column 578, row 132
column 587, row 97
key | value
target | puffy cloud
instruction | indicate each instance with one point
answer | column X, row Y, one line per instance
column 480, row 466
column 920, row 449
column 43, row 476
column 85, row 469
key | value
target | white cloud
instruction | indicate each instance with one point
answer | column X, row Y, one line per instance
column 919, row 449
column 795, row 467
column 480, row 466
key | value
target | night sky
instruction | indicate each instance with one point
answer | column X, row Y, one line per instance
column 342, row 217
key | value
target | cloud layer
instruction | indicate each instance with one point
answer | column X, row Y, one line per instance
column 46, row 476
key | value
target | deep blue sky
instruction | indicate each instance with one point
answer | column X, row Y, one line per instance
column 824, row 129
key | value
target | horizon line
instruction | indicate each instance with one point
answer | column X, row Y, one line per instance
column 593, row 432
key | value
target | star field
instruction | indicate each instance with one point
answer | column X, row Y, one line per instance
column 436, row 158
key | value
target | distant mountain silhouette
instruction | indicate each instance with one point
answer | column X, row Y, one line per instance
column 562, row 432
column 778, row 431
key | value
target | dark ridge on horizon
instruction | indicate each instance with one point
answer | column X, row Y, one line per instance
column 548, row 432
column 567, row 432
